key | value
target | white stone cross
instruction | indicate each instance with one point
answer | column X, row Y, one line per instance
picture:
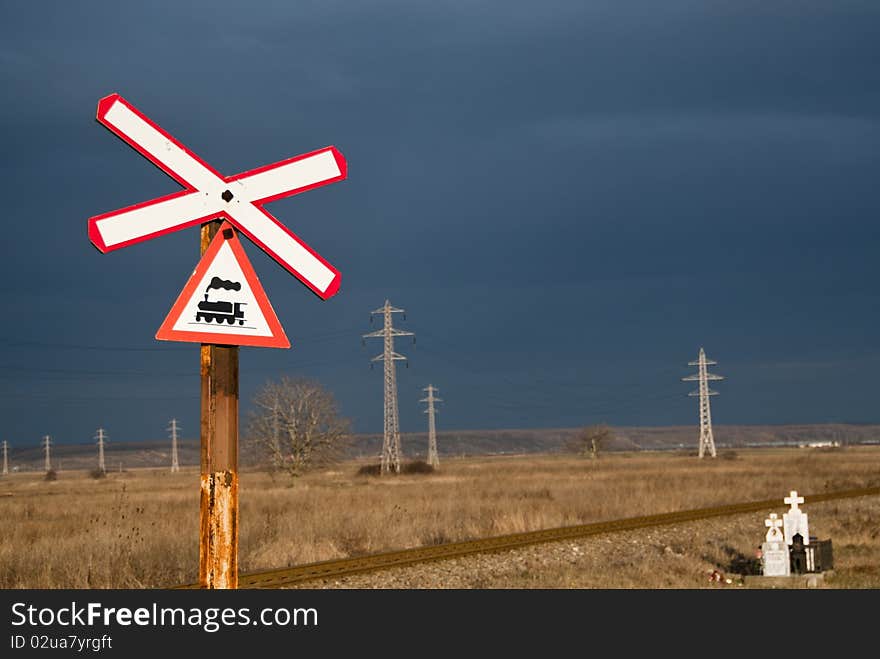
column 793, row 500
column 773, row 532
column 795, row 520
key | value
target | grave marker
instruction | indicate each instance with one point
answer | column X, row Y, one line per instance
column 795, row 520
column 774, row 551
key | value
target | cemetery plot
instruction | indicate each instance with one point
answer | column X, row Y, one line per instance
column 792, row 551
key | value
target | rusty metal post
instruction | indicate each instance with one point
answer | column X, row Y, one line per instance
column 218, row 518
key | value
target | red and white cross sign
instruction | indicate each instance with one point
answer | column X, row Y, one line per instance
column 208, row 195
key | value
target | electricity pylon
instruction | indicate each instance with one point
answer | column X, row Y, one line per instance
column 175, row 465
column 5, row 459
column 707, row 441
column 101, row 437
column 391, row 437
column 433, row 460
column 46, row 443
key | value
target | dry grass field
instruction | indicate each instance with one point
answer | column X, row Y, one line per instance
column 138, row 529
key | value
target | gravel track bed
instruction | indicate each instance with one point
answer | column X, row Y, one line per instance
column 702, row 554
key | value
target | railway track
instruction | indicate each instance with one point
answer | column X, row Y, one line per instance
column 346, row 566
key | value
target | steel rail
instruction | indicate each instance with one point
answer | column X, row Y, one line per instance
column 342, row 567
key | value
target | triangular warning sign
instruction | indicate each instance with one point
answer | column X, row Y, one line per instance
column 223, row 301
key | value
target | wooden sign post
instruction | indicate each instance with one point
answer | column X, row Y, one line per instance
column 218, row 503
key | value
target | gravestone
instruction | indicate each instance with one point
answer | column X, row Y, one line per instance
column 774, row 551
column 790, row 558
column 795, row 520
column 798, row 555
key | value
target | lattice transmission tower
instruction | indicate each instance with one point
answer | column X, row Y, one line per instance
column 391, row 438
column 101, row 437
column 433, row 460
column 173, row 428
column 47, row 442
column 707, row 441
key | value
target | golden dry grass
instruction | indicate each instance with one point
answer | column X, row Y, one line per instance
column 139, row 529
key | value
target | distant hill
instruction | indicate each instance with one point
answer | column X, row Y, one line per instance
column 117, row 455
column 554, row 440
column 129, row 455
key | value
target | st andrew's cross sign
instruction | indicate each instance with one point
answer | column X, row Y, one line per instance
column 208, row 195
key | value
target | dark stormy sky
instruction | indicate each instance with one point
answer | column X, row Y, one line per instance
column 568, row 199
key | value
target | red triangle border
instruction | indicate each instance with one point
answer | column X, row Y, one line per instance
column 167, row 332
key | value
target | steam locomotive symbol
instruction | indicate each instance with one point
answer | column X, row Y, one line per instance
column 221, row 310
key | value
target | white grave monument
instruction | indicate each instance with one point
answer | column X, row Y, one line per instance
column 774, row 551
column 795, row 520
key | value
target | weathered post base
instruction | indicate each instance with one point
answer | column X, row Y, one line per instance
column 218, row 532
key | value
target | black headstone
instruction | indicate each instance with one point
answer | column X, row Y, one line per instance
column 798, row 555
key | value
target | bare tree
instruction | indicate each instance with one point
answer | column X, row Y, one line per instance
column 295, row 423
column 591, row 439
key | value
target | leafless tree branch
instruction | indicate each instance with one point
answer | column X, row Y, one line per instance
column 295, row 425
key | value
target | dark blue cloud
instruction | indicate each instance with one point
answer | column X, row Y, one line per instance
column 568, row 198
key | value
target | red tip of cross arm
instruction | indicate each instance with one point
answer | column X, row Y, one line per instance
column 105, row 104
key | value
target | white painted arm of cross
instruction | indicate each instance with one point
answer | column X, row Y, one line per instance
column 209, row 196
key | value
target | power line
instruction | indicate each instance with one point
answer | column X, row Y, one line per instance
column 46, row 444
column 79, row 346
column 101, row 437
column 320, row 337
column 90, row 373
column 391, row 436
column 173, row 428
column 62, row 398
column 707, row 441
column 68, row 373
column 433, row 459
